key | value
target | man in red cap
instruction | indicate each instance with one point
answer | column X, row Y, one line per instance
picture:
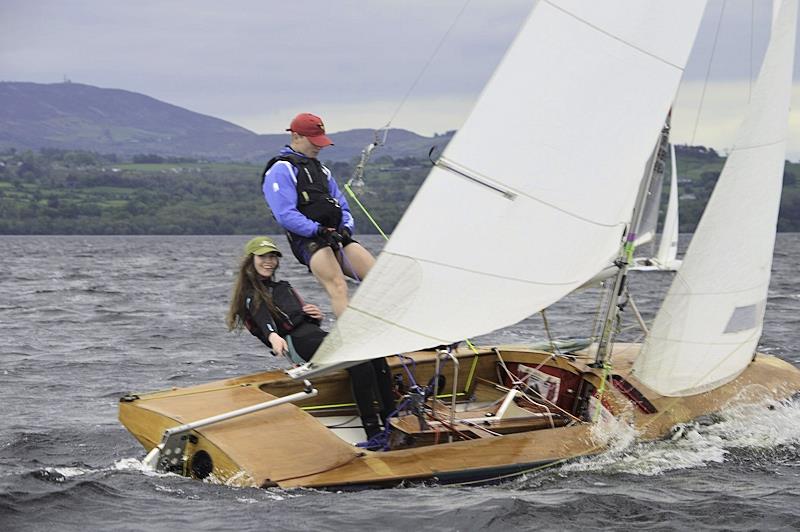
column 308, row 204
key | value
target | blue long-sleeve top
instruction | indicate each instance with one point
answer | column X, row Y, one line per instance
column 280, row 192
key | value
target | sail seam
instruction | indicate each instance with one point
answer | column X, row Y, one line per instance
column 719, row 293
column 616, row 38
column 756, row 146
column 576, row 216
column 487, row 274
column 683, row 341
column 399, row 326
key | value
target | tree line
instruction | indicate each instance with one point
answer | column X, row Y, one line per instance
column 71, row 192
column 76, row 192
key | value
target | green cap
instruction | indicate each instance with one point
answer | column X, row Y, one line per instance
column 261, row 245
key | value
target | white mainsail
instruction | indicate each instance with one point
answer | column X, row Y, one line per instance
column 668, row 245
column 709, row 325
column 531, row 196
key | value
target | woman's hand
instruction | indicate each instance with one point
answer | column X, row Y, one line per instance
column 313, row 311
column 279, row 345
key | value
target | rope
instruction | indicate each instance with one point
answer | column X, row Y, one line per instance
column 365, row 211
column 473, row 367
column 592, row 450
column 518, row 384
column 602, row 390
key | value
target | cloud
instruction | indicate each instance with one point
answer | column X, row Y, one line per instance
column 259, row 62
column 717, row 121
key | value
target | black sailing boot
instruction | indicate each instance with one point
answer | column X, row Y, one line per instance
column 371, row 426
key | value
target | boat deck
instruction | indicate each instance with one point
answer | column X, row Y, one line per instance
column 544, row 415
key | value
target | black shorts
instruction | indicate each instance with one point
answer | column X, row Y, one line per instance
column 303, row 247
column 305, row 339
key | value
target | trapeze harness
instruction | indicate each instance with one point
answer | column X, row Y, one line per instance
column 314, row 200
column 301, row 332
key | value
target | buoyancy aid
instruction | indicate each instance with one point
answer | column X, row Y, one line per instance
column 314, row 200
column 261, row 322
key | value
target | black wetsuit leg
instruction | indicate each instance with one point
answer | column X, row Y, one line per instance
column 371, row 381
column 372, row 390
column 385, row 384
column 362, row 382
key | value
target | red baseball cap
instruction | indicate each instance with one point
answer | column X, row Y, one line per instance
column 310, row 126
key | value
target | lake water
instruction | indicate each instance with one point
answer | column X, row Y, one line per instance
column 84, row 320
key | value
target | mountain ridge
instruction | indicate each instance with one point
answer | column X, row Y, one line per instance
column 76, row 116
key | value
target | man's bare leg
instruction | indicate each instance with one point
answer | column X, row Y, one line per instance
column 326, row 269
column 357, row 261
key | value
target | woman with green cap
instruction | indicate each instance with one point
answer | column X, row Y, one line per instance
column 273, row 312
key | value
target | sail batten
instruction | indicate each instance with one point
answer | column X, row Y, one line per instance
column 563, row 124
column 709, row 325
column 481, row 180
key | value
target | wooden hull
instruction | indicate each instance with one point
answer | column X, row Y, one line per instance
column 289, row 446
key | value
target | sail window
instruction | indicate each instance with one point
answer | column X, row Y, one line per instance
column 743, row 319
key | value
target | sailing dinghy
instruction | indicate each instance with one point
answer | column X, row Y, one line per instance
column 532, row 223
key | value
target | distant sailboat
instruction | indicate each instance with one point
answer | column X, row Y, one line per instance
column 666, row 257
column 497, row 233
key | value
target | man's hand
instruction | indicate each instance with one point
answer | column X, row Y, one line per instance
column 329, row 234
column 324, row 231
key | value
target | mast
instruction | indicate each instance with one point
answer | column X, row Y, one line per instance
column 618, row 299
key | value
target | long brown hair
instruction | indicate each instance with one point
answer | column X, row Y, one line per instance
column 248, row 283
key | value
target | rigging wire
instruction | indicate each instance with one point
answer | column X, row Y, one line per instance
column 358, row 173
column 553, row 347
column 708, row 72
column 752, row 36
column 428, row 62
column 365, row 154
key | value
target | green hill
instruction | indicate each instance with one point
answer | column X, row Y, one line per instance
column 72, row 192
column 67, row 192
column 698, row 170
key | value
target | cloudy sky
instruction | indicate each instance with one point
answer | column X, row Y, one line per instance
column 420, row 63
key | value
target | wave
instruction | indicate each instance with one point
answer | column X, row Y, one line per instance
column 740, row 427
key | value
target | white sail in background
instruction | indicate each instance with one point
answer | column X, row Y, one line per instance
column 709, row 325
column 668, row 245
column 646, row 230
column 531, row 196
